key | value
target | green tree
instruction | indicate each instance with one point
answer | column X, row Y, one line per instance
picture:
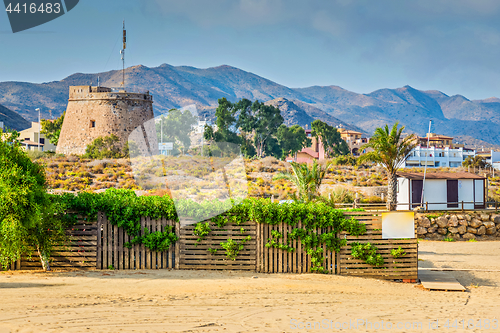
column 268, row 119
column 52, row 129
column 292, row 139
column 330, row 137
column 390, row 150
column 306, row 180
column 177, row 127
column 106, row 147
column 345, row 160
column 476, row 162
column 28, row 215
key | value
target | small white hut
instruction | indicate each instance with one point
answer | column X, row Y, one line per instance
column 442, row 190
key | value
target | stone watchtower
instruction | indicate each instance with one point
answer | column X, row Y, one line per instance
column 97, row 111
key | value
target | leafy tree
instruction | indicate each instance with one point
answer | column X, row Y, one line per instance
column 106, row 147
column 28, row 216
column 292, row 139
column 268, row 119
column 476, row 162
column 389, row 150
column 225, row 137
column 332, row 141
column 307, row 180
column 177, row 126
column 52, row 129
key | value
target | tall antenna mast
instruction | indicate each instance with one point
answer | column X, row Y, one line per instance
column 122, row 52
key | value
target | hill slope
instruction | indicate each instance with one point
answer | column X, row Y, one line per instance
column 12, row 120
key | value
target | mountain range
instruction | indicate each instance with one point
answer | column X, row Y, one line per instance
column 178, row 86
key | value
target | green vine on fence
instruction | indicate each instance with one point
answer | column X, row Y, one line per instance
column 233, row 247
column 398, row 253
column 366, row 252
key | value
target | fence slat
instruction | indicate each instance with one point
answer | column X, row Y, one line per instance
column 99, row 241
column 115, row 247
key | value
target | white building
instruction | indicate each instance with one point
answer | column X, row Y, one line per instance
column 442, row 190
column 438, row 157
column 31, row 139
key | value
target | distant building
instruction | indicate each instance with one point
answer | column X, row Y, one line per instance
column 31, row 138
column 354, row 140
column 442, row 190
column 1, row 125
column 316, row 151
column 438, row 157
column 436, row 140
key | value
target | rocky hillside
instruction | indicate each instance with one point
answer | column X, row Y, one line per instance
column 12, row 120
column 181, row 86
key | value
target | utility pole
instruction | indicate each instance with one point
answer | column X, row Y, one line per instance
column 122, row 52
column 39, row 128
column 425, row 167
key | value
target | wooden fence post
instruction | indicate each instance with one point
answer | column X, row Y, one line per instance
column 177, row 245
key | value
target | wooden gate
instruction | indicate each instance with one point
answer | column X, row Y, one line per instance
column 405, row 267
column 208, row 252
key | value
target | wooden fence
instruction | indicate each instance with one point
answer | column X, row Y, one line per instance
column 101, row 245
column 112, row 252
column 405, row 267
column 208, row 253
column 81, row 252
column 275, row 260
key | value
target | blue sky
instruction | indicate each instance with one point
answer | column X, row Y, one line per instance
column 447, row 45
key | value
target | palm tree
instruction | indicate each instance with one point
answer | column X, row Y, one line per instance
column 390, row 151
column 307, row 180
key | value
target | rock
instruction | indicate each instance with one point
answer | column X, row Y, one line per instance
column 460, row 217
column 462, row 229
column 434, row 225
column 498, row 226
column 471, row 230
column 495, row 218
column 425, row 222
column 475, row 223
column 421, row 230
column 463, row 222
column 489, row 224
column 442, row 231
column 467, row 217
column 447, row 217
column 491, row 231
column 481, row 230
column 485, row 217
column 431, row 230
column 453, row 230
column 453, row 221
column 442, row 221
column 468, row 236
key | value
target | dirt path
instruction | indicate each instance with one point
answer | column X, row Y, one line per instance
column 202, row 301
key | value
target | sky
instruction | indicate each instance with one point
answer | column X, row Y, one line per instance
column 361, row 45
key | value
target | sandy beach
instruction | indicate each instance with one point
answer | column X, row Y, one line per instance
column 213, row 301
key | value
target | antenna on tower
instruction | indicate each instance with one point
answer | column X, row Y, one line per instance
column 122, row 52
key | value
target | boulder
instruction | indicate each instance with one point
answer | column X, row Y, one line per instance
column 481, row 230
column 471, row 230
column 467, row 217
column 442, row 221
column 475, row 223
column 462, row 229
column 431, row 230
column 463, row 222
column 468, row 236
column 421, row 230
column 489, row 224
column 453, row 221
column 491, row 231
column 460, row 217
column 447, row 216
column 495, row 218
column 485, row 217
column 425, row 222
column 442, row 231
column 453, row 230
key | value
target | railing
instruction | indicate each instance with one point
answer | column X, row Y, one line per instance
column 460, row 205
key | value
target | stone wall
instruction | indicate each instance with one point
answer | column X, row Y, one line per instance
column 480, row 225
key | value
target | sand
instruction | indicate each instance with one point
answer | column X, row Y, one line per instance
column 210, row 301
